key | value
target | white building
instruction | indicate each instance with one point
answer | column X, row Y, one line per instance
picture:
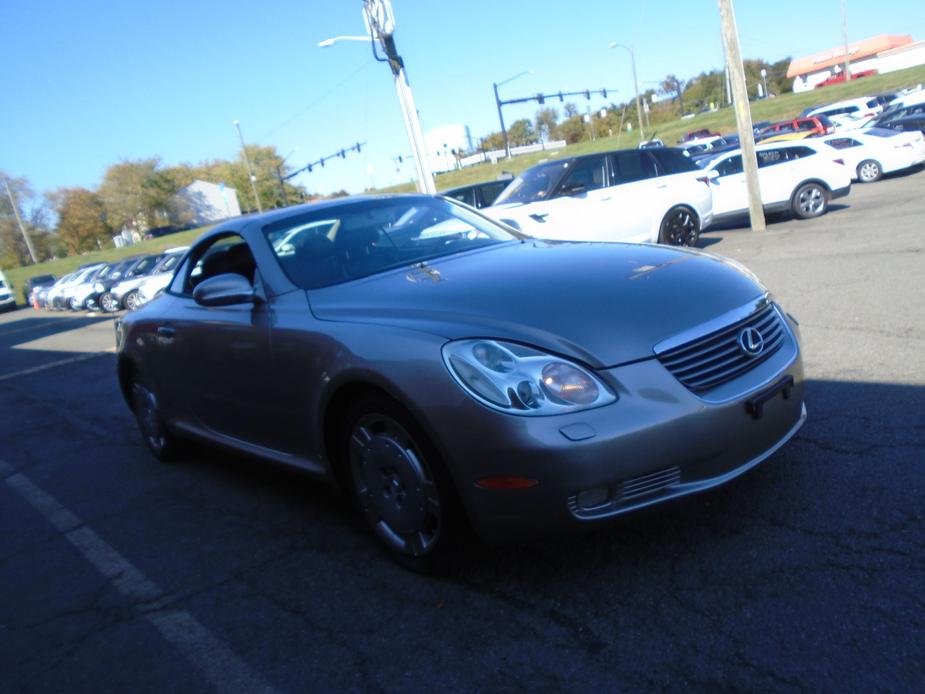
column 442, row 143
column 210, row 202
column 865, row 57
column 910, row 55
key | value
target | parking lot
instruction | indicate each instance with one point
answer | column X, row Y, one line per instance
column 123, row 574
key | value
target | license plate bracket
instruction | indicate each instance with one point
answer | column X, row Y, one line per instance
column 755, row 405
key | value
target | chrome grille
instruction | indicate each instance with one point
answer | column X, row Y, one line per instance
column 715, row 358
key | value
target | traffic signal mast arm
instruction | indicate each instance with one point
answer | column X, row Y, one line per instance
column 541, row 98
column 342, row 153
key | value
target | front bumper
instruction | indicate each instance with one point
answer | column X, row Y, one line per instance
column 659, row 441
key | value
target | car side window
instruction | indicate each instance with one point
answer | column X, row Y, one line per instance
column 730, row 165
column 225, row 254
column 769, row 157
column 589, row 174
column 842, row 142
column 632, row 166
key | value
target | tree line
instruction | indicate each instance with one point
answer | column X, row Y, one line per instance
column 134, row 195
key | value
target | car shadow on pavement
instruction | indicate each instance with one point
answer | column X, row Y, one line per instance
column 853, row 470
column 34, row 325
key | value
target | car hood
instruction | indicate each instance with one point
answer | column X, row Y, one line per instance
column 602, row 303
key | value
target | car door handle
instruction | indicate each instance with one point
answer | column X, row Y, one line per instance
column 539, row 217
column 609, row 197
column 662, row 185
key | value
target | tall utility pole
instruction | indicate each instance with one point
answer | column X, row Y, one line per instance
column 844, row 28
column 642, row 134
column 247, row 162
column 381, row 23
column 22, row 228
column 743, row 113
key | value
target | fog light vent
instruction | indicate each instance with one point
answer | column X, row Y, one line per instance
column 647, row 484
column 591, row 498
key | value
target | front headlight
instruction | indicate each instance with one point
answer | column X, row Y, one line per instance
column 520, row 380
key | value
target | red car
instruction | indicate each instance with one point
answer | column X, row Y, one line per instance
column 840, row 77
column 818, row 125
column 703, row 132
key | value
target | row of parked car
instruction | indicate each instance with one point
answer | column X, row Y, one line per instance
column 108, row 287
column 670, row 194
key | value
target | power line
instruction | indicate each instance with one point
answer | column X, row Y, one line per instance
column 315, row 103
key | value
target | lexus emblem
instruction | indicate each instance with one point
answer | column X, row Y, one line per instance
column 751, row 342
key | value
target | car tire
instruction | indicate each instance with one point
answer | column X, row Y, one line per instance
column 72, row 304
column 130, row 300
column 680, row 227
column 869, row 171
column 810, row 200
column 400, row 485
column 164, row 445
column 108, row 303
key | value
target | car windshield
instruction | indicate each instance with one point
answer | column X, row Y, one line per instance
column 349, row 241
column 533, row 184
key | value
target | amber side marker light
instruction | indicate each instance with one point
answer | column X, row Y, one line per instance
column 506, row 483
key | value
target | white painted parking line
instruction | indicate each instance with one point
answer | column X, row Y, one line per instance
column 206, row 652
column 55, row 364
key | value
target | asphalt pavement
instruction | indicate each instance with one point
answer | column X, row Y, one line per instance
column 120, row 574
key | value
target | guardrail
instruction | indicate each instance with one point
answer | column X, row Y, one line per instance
column 494, row 155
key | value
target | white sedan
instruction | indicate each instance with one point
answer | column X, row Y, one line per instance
column 873, row 152
column 798, row 176
column 648, row 195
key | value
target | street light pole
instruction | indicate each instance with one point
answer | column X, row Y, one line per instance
column 247, row 163
column 507, row 146
column 22, row 228
column 642, row 134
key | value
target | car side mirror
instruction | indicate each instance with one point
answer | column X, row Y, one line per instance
column 225, row 290
column 572, row 189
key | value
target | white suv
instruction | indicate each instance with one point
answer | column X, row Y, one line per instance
column 798, row 176
column 648, row 195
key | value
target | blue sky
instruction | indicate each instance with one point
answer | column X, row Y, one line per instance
column 87, row 84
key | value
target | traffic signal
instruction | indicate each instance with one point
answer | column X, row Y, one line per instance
column 604, row 93
column 561, row 98
column 540, row 99
column 588, row 94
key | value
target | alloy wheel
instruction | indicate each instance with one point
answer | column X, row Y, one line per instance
column 394, row 485
column 869, row 171
column 811, row 201
column 680, row 228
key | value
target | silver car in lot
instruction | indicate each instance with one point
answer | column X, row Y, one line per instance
column 449, row 373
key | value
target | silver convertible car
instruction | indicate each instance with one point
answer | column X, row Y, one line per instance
column 450, row 374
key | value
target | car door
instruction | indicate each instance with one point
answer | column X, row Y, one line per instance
column 217, row 359
column 730, row 194
column 779, row 173
column 574, row 211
